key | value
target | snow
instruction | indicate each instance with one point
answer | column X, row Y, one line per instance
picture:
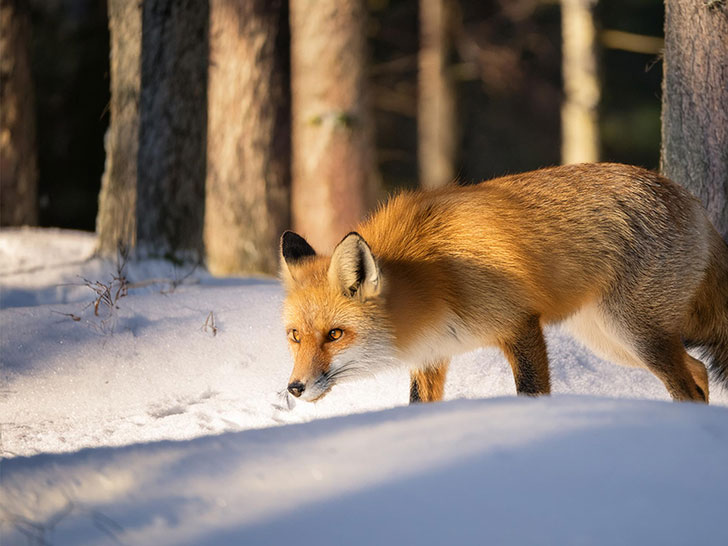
column 136, row 426
column 500, row 471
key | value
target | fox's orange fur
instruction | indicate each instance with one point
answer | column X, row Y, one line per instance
column 624, row 257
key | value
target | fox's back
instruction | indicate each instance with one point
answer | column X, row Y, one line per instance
column 557, row 236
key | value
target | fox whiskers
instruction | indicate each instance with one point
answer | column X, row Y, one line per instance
column 350, row 369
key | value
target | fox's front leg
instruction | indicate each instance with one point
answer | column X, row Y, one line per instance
column 428, row 384
column 526, row 352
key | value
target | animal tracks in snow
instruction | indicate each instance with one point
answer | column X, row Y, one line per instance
column 178, row 405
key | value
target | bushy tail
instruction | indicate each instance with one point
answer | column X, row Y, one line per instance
column 707, row 326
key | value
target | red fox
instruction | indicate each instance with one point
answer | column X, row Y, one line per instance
column 625, row 258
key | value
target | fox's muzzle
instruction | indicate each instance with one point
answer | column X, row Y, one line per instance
column 310, row 390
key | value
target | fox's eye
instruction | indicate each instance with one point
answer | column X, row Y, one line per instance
column 335, row 334
column 293, row 334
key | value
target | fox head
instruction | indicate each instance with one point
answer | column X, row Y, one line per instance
column 333, row 314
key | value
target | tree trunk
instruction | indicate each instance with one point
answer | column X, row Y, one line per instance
column 172, row 128
column 436, row 99
column 695, row 103
column 116, row 220
column 248, row 136
column 152, row 193
column 18, row 154
column 579, row 126
column 333, row 167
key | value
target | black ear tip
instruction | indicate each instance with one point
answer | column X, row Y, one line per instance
column 294, row 247
column 358, row 237
column 290, row 237
column 287, row 235
column 352, row 234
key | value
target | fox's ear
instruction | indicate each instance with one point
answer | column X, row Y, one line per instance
column 353, row 268
column 293, row 248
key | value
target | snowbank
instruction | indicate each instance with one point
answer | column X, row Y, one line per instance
column 560, row 471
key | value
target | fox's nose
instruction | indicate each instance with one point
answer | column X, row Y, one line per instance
column 296, row 388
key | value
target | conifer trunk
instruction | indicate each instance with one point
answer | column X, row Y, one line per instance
column 18, row 152
column 436, row 97
column 172, row 128
column 695, row 103
column 579, row 121
column 248, row 142
column 116, row 219
column 333, row 155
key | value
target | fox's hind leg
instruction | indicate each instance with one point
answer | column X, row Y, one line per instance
column 660, row 349
column 650, row 324
column 428, row 384
column 666, row 357
column 526, row 352
column 613, row 338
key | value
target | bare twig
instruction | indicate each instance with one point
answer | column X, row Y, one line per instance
column 210, row 322
column 179, row 280
column 74, row 318
column 107, row 294
column 172, row 283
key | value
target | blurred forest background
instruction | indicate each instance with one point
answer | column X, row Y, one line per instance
column 201, row 128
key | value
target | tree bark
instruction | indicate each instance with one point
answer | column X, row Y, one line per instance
column 152, row 194
column 248, row 136
column 436, row 98
column 579, row 124
column 116, row 220
column 172, row 128
column 333, row 167
column 695, row 103
column 18, row 153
